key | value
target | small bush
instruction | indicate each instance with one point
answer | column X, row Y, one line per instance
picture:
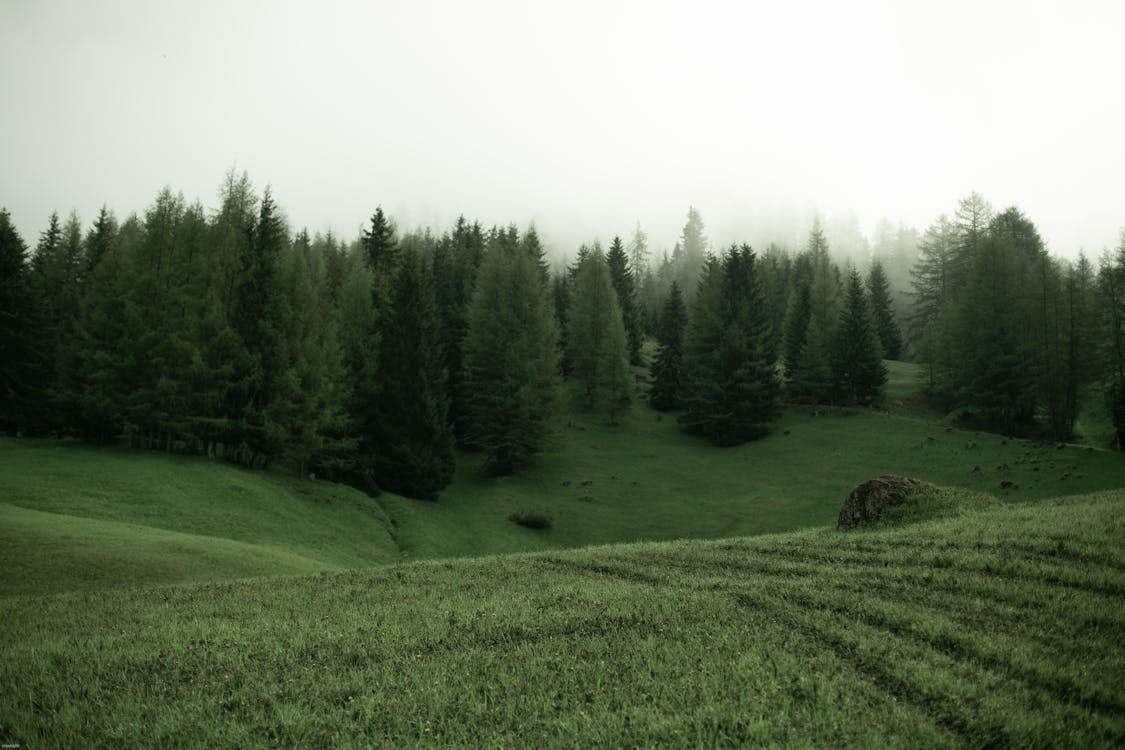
column 531, row 519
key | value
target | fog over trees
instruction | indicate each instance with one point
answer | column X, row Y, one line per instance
column 228, row 333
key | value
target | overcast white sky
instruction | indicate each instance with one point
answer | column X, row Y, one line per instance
column 583, row 117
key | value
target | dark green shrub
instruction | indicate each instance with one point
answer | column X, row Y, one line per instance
column 531, row 519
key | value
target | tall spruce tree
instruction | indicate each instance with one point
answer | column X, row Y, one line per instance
column 890, row 338
column 357, row 326
column 858, row 370
column 457, row 257
column 797, row 314
column 597, row 349
column 638, row 252
column 18, row 324
column 510, row 359
column 1111, row 292
column 732, row 391
column 932, row 284
column 1081, row 326
column 53, row 282
column 380, row 246
column 624, row 284
column 690, row 254
column 811, row 379
column 412, row 440
column 668, row 367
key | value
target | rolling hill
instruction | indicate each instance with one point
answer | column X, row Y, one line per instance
column 993, row 625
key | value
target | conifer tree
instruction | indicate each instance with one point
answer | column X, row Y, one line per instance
column 379, row 244
column 1081, row 326
column 858, row 369
column 534, row 248
column 310, row 407
column 99, row 239
column 412, row 441
column 596, row 343
column 890, row 339
column 668, row 367
column 1111, row 292
column 259, row 320
column 457, row 257
column 638, row 252
column 811, row 379
column 356, row 319
column 932, row 293
column 732, row 391
column 690, row 254
column 55, row 283
column 18, row 325
column 510, row 359
column 624, row 284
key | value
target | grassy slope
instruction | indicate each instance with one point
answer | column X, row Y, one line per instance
column 648, row 481
column 72, row 516
column 999, row 626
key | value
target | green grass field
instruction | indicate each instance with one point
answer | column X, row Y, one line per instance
column 153, row 600
column 74, row 517
column 995, row 625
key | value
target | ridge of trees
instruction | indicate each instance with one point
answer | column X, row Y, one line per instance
column 226, row 333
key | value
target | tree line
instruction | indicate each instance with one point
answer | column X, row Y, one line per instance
column 226, row 333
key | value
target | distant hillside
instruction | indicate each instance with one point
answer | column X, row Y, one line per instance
column 76, row 517
column 999, row 627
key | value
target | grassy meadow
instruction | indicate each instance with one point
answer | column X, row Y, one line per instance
column 154, row 600
column 992, row 625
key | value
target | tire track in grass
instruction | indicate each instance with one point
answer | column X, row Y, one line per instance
column 1058, row 648
column 889, row 684
column 1086, row 612
column 956, row 695
column 945, row 637
column 998, row 566
column 926, row 652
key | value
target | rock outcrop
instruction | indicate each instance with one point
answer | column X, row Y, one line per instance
column 868, row 501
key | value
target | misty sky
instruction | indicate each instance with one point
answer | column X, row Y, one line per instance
column 582, row 117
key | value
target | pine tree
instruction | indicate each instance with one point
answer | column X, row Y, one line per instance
column 992, row 320
column 732, row 391
column 259, row 313
column 932, row 282
column 379, row 244
column 18, row 325
column 534, row 249
column 638, row 252
column 356, row 319
column 668, row 367
column 811, row 379
column 890, row 339
column 55, row 284
column 1111, row 293
column 1080, row 321
column 99, row 240
column 858, row 370
column 596, row 343
column 457, row 258
column 412, row 440
column 690, row 254
column 624, row 284
column 511, row 359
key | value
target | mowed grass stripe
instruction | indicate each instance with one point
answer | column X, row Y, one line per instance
column 984, row 708
column 1006, row 656
column 729, row 643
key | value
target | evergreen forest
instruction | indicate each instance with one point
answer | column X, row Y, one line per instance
column 374, row 360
